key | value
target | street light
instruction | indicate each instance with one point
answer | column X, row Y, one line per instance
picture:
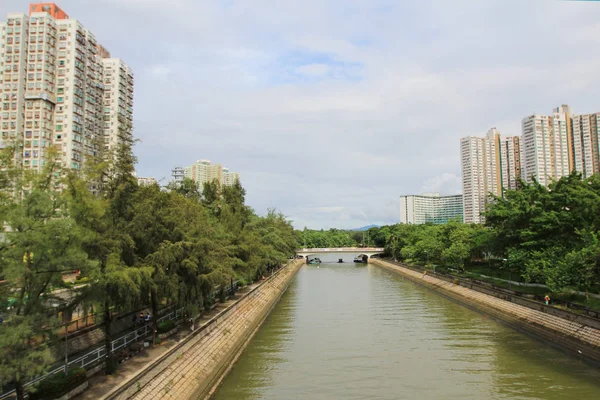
column 509, row 273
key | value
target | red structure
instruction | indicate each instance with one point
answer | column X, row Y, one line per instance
column 50, row 8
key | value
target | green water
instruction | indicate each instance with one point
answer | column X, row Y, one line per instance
column 358, row 332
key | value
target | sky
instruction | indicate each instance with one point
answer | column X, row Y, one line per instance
column 332, row 109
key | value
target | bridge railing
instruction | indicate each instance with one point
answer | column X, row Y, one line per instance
column 334, row 249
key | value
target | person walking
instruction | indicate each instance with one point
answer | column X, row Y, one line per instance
column 547, row 299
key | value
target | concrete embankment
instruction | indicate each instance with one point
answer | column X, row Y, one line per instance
column 576, row 338
column 195, row 368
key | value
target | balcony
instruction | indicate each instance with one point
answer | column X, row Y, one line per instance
column 39, row 95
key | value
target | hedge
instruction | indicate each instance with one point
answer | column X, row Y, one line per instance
column 58, row 384
column 166, row 326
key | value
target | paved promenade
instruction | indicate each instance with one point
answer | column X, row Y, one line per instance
column 101, row 385
column 197, row 364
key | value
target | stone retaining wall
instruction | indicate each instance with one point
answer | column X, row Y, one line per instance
column 577, row 339
column 195, row 368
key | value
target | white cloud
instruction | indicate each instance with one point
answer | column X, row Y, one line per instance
column 314, row 69
column 158, row 71
column 445, row 184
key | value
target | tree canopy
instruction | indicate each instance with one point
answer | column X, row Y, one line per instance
column 136, row 245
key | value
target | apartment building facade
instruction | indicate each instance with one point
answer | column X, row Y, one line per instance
column 430, row 208
column 177, row 174
column 558, row 144
column 203, row 172
column 230, row 178
column 586, row 144
column 52, row 88
column 490, row 165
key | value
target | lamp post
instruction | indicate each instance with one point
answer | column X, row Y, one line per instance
column 509, row 272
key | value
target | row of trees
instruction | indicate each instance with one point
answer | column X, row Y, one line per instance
column 134, row 245
column 331, row 238
column 548, row 235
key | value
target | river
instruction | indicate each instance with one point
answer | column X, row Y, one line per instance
column 346, row 331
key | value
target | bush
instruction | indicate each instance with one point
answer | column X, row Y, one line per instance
column 208, row 302
column 58, row 384
column 166, row 326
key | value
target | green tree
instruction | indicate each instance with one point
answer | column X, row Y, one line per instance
column 41, row 242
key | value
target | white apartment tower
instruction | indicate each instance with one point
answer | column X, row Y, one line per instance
column 52, row 87
column 586, row 144
column 510, row 165
column 473, row 161
column 546, row 150
column 490, row 165
column 177, row 174
column 536, row 149
column 118, row 102
column 230, row 178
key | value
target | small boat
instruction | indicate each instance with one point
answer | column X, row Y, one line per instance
column 315, row 260
column 359, row 260
column 340, row 261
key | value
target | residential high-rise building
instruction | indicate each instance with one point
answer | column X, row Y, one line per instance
column 551, row 146
column 147, row 181
column 586, row 144
column 546, row 154
column 230, row 178
column 473, row 166
column 430, row 208
column 53, row 91
column 118, row 102
column 203, row 171
column 178, row 174
column 493, row 178
column 536, row 149
column 510, row 165
column 490, row 165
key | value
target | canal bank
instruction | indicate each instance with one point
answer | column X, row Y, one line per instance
column 574, row 337
column 194, row 368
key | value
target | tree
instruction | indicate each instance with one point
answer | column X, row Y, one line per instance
column 41, row 242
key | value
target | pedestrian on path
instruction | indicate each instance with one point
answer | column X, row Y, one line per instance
column 547, row 299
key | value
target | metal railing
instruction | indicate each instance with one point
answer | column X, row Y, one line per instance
column 202, row 330
column 526, row 299
column 340, row 249
column 99, row 354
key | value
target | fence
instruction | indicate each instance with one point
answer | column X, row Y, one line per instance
column 99, row 354
column 158, row 365
column 587, row 317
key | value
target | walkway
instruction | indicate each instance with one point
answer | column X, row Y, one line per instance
column 101, row 385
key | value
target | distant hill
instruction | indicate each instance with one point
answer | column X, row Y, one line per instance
column 365, row 228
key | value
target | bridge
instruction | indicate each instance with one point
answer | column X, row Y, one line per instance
column 362, row 251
